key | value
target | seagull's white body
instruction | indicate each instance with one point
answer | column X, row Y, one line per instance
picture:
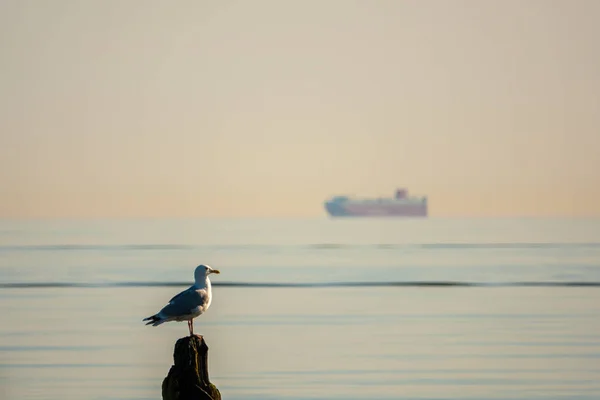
column 190, row 303
column 203, row 291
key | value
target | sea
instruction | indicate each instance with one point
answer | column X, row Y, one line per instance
column 305, row 308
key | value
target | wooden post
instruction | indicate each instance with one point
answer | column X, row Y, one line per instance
column 188, row 377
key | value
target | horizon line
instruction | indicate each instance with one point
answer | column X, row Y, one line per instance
column 292, row 217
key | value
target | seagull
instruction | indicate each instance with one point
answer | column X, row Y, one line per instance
column 188, row 304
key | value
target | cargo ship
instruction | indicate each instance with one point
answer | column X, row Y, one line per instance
column 401, row 205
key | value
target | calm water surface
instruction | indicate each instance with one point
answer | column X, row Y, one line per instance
column 520, row 332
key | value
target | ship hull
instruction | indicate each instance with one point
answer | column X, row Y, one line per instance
column 376, row 210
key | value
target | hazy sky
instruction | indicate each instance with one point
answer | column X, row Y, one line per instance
column 259, row 108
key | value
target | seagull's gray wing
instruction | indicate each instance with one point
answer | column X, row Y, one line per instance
column 180, row 294
column 184, row 303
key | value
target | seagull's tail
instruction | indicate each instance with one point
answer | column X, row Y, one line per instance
column 154, row 320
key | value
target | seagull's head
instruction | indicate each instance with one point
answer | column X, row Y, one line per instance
column 202, row 271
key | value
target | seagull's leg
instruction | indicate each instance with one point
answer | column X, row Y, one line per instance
column 192, row 325
column 189, row 326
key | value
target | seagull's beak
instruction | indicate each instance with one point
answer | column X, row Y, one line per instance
column 215, row 271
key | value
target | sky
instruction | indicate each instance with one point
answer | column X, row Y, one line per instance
column 266, row 108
